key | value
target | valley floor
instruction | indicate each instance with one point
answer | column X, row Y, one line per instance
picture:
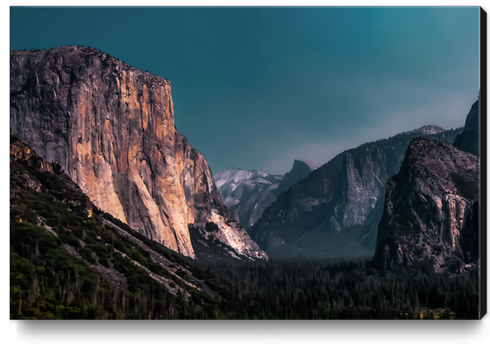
column 350, row 290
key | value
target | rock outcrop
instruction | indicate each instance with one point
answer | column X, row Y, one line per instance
column 468, row 141
column 111, row 127
column 340, row 204
column 431, row 209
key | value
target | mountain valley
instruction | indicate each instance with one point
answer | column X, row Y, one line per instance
column 340, row 203
column 114, row 215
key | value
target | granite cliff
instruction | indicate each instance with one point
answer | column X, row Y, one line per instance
column 335, row 210
column 431, row 209
column 111, row 128
column 70, row 260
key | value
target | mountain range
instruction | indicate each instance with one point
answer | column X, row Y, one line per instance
column 247, row 193
column 336, row 209
column 111, row 128
column 114, row 215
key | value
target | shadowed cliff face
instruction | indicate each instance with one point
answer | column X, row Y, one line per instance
column 431, row 209
column 468, row 141
column 336, row 209
column 301, row 169
column 111, row 126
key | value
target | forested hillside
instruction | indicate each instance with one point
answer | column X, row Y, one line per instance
column 69, row 260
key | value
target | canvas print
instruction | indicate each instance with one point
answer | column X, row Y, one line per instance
column 247, row 163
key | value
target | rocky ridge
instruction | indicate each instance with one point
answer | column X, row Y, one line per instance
column 431, row 209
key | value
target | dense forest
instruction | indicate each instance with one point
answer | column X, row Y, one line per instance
column 68, row 262
column 350, row 290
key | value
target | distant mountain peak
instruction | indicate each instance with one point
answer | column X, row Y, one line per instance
column 311, row 164
column 246, row 193
column 301, row 168
column 429, row 130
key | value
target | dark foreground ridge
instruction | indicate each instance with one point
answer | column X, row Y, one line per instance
column 69, row 260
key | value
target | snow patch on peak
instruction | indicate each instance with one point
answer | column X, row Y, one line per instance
column 231, row 175
column 262, row 173
column 429, row 130
column 247, row 193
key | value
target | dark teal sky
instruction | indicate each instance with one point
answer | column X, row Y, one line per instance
column 257, row 88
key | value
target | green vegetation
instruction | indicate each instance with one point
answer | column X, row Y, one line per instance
column 47, row 281
column 350, row 290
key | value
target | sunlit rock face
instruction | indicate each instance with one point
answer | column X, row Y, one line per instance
column 431, row 209
column 111, row 126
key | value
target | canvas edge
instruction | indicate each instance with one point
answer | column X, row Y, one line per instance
column 483, row 165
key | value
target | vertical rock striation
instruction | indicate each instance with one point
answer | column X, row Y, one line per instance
column 431, row 209
column 339, row 205
column 111, row 127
